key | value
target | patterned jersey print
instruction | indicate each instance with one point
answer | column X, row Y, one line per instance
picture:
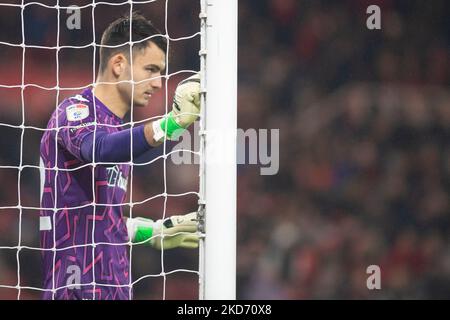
column 84, row 239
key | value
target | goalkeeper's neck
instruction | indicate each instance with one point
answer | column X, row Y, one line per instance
column 106, row 90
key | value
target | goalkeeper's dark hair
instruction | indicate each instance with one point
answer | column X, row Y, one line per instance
column 118, row 33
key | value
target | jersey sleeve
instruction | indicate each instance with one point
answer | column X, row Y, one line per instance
column 76, row 135
column 77, row 121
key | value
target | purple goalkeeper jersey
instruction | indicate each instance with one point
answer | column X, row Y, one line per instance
column 76, row 263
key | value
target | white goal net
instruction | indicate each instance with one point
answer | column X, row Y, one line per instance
column 50, row 52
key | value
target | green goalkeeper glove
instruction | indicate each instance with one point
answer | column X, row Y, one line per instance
column 179, row 231
column 185, row 110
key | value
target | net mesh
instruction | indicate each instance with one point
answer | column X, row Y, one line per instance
column 25, row 117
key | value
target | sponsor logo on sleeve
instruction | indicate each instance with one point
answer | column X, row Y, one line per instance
column 82, row 125
column 77, row 112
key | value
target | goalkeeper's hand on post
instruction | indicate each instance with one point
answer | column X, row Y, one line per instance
column 185, row 110
column 178, row 231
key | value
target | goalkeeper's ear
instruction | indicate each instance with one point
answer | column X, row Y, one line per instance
column 118, row 63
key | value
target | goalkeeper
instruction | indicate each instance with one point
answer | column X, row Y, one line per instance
column 86, row 262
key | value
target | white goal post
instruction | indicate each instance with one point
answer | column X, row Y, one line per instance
column 218, row 125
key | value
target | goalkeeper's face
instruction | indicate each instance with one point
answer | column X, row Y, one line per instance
column 147, row 67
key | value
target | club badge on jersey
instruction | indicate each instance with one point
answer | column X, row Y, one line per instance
column 77, row 112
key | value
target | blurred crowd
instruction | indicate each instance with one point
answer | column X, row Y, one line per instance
column 366, row 182
column 364, row 119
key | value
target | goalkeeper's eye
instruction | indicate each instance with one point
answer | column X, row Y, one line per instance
column 153, row 69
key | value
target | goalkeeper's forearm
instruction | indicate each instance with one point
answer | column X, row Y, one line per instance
column 115, row 147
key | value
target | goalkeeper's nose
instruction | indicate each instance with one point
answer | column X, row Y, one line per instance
column 156, row 82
